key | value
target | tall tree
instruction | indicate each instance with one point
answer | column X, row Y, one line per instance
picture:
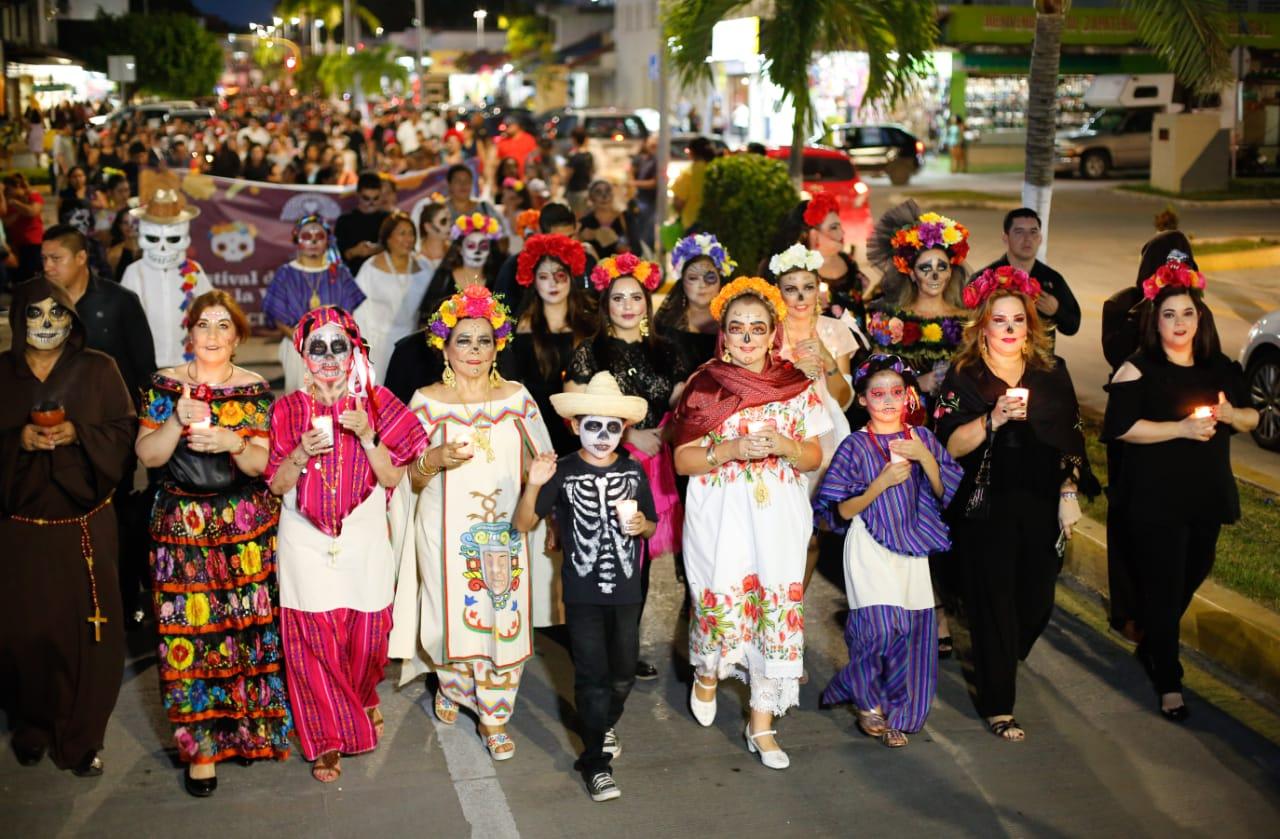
column 897, row 36
column 176, row 56
column 329, row 11
column 1188, row 35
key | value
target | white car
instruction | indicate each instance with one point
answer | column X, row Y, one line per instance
column 1260, row 359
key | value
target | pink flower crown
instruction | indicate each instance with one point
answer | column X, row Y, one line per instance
column 1175, row 272
column 994, row 279
column 472, row 302
column 648, row 274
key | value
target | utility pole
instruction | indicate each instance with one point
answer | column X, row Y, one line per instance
column 664, row 136
column 422, row 48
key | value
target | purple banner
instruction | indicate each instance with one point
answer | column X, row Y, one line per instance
column 243, row 232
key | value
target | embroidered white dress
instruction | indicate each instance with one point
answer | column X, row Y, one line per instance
column 837, row 337
column 471, row 588
column 390, row 308
column 746, row 535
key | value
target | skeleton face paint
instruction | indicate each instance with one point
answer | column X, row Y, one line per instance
column 48, row 324
column 163, row 245
column 312, row 240
column 600, row 435
column 81, row 218
column 475, row 250
column 328, row 353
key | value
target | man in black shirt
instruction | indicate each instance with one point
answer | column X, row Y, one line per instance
column 1057, row 306
column 357, row 229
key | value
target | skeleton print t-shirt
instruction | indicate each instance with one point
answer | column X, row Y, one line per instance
column 601, row 564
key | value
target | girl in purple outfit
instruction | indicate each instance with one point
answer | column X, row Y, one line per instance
column 887, row 486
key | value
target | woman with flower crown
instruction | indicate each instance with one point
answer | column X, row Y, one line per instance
column 817, row 225
column 746, row 431
column 644, row 364
column 471, row 587
column 337, row 448
column 1174, row 405
column 1008, row 413
column 473, row 258
column 700, row 264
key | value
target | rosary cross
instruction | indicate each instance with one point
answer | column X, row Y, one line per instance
column 97, row 620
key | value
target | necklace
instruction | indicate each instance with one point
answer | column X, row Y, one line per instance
column 875, row 441
column 483, row 440
column 331, row 485
column 192, row 375
column 314, row 301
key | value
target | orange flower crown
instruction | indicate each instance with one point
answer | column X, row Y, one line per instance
column 528, row 220
column 755, row 286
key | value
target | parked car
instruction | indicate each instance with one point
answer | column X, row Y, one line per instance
column 1113, row 138
column 887, row 149
column 679, row 158
column 154, row 113
column 830, row 170
column 1260, row 359
column 497, row 117
column 614, row 136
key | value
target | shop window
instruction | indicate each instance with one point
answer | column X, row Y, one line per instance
column 1146, row 91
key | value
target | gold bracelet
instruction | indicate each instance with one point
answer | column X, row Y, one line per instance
column 244, row 447
column 423, row 469
column 712, row 460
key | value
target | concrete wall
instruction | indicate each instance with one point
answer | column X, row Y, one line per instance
column 1190, row 153
column 636, row 25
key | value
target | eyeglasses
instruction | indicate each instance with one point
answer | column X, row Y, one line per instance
column 709, row 278
column 886, row 394
column 933, row 267
column 758, row 329
column 592, row 426
column 317, row 348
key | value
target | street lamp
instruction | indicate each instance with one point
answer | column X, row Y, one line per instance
column 480, row 15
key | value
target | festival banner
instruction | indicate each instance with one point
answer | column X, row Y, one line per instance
column 244, row 230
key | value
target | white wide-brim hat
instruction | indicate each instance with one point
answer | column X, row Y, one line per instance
column 602, row 398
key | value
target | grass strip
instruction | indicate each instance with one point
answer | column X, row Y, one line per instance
column 1238, row 190
column 1233, row 246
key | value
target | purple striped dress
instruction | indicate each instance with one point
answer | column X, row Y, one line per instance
column 891, row 627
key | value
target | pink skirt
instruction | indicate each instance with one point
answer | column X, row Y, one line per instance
column 660, row 470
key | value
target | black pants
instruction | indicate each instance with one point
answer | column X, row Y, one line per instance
column 606, row 642
column 1010, row 567
column 1172, row 559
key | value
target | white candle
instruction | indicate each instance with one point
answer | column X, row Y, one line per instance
column 202, row 424
column 823, row 288
column 626, row 508
column 467, row 438
column 1020, row 393
column 1203, row 412
column 756, row 426
column 894, row 457
column 325, row 424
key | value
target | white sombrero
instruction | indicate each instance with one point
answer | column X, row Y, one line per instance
column 602, row 398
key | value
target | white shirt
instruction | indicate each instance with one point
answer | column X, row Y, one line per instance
column 162, row 297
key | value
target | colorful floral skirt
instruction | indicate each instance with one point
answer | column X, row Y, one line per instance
column 213, row 568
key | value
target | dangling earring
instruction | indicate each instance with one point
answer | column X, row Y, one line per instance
column 1026, row 349
column 644, row 327
column 449, row 379
column 609, row 329
column 982, row 345
column 495, row 378
column 725, row 357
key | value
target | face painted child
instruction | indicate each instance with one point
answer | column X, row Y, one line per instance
column 600, row 437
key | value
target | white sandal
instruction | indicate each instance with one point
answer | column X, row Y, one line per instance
column 703, row 711
column 774, row 758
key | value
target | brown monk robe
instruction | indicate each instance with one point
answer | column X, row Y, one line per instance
column 61, row 622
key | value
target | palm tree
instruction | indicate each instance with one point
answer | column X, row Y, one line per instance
column 896, row 34
column 329, row 11
column 362, row 71
column 1188, row 35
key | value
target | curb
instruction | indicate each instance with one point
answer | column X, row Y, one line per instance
column 1230, row 630
column 1237, row 260
column 1237, row 203
column 959, row 203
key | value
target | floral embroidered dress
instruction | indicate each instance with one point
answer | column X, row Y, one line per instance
column 746, row 536
column 213, row 569
column 926, row 344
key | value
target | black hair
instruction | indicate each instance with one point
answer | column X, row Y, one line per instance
column 579, row 135
column 701, row 149
column 880, row 363
column 1204, row 346
column 369, row 180
column 455, row 169
column 756, row 148
column 1021, row 212
column 554, row 215
column 67, row 236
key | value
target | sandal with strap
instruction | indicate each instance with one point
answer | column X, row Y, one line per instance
column 379, row 724
column 495, row 743
column 1008, row 730
column 326, row 769
column 872, row 723
column 893, row 738
column 445, row 708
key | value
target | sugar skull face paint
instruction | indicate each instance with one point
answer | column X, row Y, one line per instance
column 475, row 250
column 163, row 245
column 48, row 324
column 600, row 435
column 328, row 353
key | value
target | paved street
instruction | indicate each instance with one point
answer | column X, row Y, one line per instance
column 1098, row 761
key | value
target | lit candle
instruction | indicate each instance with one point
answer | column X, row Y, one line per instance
column 1203, row 412
column 1019, row 393
column 467, row 438
column 325, row 424
column 204, row 423
column 626, row 508
column 823, row 288
column 756, row 426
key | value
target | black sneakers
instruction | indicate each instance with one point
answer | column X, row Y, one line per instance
column 602, row 787
column 645, row 671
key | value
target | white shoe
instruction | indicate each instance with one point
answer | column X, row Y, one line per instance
column 774, row 758
column 612, row 745
column 703, row 712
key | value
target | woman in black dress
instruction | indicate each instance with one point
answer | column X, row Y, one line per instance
column 1174, row 405
column 557, row 317
column 646, row 365
column 702, row 265
column 1008, row 414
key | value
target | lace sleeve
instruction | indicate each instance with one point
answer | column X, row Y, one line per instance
column 582, row 364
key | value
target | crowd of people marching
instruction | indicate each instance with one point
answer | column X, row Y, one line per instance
column 486, row 428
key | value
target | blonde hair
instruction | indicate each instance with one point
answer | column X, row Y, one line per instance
column 972, row 345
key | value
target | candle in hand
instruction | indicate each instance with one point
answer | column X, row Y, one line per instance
column 1203, row 412
column 626, row 508
column 325, row 424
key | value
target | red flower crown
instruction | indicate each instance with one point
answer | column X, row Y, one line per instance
column 819, row 207
column 993, row 279
column 559, row 247
column 648, row 274
column 1175, row 272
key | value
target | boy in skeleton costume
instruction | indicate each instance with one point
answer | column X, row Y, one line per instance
column 165, row 279
column 605, row 511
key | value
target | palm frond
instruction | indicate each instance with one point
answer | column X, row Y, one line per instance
column 1188, row 35
column 688, row 25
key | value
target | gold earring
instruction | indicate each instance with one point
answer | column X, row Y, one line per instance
column 1026, row 349
column 644, row 327
column 609, row 329
column 495, row 378
column 725, row 357
column 449, row 379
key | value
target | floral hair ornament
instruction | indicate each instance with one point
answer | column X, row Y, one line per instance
column 437, row 198
column 486, row 226
column 994, row 279
column 755, row 286
column 816, row 211
column 929, row 230
column 528, row 220
column 648, row 274
column 472, row 302
column 913, row 412
column 795, row 258
column 568, row 252
column 1175, row 272
column 699, row 245
column 513, row 183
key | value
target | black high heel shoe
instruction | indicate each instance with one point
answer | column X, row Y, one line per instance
column 28, row 757
column 90, row 767
column 199, row 787
column 1179, row 714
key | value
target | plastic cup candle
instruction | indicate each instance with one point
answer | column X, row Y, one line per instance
column 467, row 438
column 894, row 457
column 1019, row 393
column 823, row 288
column 756, row 426
column 324, row 424
column 1203, row 412
column 204, row 424
column 626, row 508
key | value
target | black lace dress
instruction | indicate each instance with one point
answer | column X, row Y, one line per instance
column 519, row 363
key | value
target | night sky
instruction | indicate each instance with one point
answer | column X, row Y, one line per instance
column 394, row 14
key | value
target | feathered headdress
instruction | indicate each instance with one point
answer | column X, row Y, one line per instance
column 904, row 232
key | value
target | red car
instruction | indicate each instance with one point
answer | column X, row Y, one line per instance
column 829, row 170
